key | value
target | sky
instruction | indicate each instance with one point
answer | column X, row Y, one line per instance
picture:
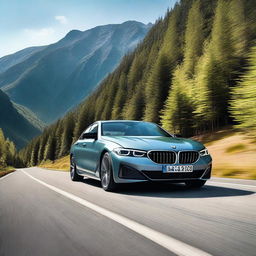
column 26, row 23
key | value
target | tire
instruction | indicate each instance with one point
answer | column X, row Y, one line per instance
column 106, row 173
column 195, row 183
column 73, row 174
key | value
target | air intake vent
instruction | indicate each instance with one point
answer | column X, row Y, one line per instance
column 162, row 157
column 188, row 157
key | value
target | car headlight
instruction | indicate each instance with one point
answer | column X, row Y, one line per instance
column 130, row 152
column 204, row 152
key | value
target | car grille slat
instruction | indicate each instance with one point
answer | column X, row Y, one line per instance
column 162, row 157
column 188, row 157
column 169, row 157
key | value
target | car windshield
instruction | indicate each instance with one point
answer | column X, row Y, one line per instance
column 132, row 129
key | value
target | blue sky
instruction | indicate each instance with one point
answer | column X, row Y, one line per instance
column 27, row 23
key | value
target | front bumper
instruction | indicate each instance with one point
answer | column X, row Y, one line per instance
column 142, row 169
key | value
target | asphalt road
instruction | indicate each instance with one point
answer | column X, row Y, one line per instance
column 43, row 212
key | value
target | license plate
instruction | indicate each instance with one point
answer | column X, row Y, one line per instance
column 179, row 168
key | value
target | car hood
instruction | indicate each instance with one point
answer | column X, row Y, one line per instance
column 155, row 143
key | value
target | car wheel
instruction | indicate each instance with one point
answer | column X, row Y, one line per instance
column 73, row 174
column 195, row 183
column 106, row 173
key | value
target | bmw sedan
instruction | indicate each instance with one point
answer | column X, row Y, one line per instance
column 117, row 152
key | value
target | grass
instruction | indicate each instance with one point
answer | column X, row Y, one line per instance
column 6, row 170
column 61, row 164
column 233, row 153
column 236, row 148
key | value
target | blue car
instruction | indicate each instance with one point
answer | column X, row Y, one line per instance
column 117, row 152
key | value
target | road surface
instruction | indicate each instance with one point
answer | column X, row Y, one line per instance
column 43, row 212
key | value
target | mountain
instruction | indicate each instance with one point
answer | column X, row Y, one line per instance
column 15, row 127
column 55, row 78
column 181, row 76
column 18, row 57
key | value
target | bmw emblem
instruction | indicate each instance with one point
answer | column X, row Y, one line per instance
column 173, row 147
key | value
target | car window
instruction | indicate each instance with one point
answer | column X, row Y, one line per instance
column 94, row 129
column 132, row 129
column 85, row 131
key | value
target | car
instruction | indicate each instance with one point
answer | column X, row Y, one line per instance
column 123, row 151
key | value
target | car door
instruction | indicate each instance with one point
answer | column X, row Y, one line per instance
column 88, row 152
column 80, row 148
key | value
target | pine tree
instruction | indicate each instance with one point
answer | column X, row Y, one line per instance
column 238, row 26
column 49, row 153
column 243, row 104
column 134, row 109
column 34, row 155
column 83, row 121
column 119, row 98
column 42, row 146
column 177, row 113
column 67, row 135
column 160, row 77
column 193, row 38
column 156, row 89
column 2, row 150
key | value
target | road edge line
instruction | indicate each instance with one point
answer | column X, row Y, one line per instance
column 5, row 176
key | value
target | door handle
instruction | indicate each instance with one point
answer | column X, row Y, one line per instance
column 84, row 144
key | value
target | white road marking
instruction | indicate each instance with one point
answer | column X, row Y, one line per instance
column 171, row 244
column 5, row 176
column 230, row 183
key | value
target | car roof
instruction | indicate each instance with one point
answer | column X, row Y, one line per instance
column 115, row 121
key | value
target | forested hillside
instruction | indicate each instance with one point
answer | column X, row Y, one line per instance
column 194, row 72
column 15, row 126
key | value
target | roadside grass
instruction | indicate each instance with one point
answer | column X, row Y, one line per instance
column 233, row 153
column 6, row 170
column 61, row 164
column 236, row 148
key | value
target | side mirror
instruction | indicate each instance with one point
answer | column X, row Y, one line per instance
column 92, row 135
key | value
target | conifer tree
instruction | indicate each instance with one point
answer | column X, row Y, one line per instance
column 160, row 78
column 49, row 153
column 67, row 135
column 34, row 154
column 244, row 98
column 119, row 98
column 193, row 38
column 134, row 108
column 238, row 27
column 156, row 89
column 177, row 114
column 42, row 146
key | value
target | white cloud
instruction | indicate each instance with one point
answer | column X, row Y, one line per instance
column 61, row 19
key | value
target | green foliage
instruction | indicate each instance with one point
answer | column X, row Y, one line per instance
column 8, row 155
column 177, row 114
column 193, row 38
column 243, row 104
column 134, row 109
column 160, row 76
column 49, row 152
column 66, row 136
